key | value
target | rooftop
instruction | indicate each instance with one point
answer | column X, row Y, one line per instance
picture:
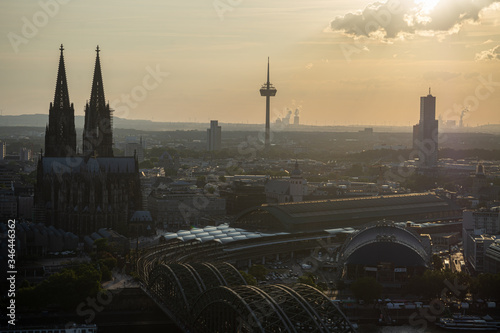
column 325, row 214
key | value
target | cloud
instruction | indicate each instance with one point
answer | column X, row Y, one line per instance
column 399, row 18
column 445, row 76
column 491, row 54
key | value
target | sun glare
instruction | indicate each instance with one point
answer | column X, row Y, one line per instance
column 427, row 5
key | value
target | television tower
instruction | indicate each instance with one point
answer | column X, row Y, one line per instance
column 267, row 90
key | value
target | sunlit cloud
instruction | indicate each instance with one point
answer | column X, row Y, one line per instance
column 427, row 5
column 491, row 54
column 405, row 18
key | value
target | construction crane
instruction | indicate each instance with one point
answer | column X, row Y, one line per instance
column 464, row 111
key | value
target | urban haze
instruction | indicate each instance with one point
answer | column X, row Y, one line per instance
column 234, row 166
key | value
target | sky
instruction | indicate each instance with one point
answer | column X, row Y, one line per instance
column 338, row 62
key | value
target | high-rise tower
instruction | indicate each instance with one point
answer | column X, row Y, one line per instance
column 267, row 90
column 98, row 131
column 425, row 133
column 60, row 134
column 214, row 136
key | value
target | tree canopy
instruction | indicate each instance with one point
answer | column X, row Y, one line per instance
column 366, row 289
column 64, row 289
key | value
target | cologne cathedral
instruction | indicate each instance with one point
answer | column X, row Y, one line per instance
column 83, row 190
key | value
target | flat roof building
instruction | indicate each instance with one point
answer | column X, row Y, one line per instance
column 475, row 247
column 492, row 258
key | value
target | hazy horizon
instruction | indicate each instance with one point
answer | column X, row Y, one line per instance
column 340, row 63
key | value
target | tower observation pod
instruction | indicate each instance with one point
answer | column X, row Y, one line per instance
column 267, row 90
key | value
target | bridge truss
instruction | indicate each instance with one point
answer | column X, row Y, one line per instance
column 214, row 297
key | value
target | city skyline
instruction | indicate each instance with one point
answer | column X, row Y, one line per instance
column 338, row 63
column 231, row 227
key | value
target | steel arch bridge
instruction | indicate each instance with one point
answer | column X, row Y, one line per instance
column 214, row 297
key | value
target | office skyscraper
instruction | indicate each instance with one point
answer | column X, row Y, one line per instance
column 214, row 136
column 425, row 133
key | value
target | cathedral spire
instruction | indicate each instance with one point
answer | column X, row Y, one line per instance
column 97, row 95
column 61, row 96
column 97, row 132
column 60, row 135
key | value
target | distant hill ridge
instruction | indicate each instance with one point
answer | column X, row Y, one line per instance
column 40, row 120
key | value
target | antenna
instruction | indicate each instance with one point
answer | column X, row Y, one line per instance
column 268, row 73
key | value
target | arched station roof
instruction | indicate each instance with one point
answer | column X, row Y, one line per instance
column 347, row 212
column 385, row 242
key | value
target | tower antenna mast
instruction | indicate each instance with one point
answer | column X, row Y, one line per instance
column 268, row 90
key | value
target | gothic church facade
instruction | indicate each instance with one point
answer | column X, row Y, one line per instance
column 83, row 191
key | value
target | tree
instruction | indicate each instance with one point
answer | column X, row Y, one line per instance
column 65, row 289
column 109, row 262
column 419, row 183
column 309, row 279
column 433, row 283
column 322, row 286
column 106, row 274
column 88, row 279
column 101, row 245
column 29, row 178
column 366, row 289
column 25, row 284
column 355, row 170
column 258, row 271
column 487, row 285
column 146, row 164
column 437, row 262
column 201, row 181
column 436, row 284
column 249, row 278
